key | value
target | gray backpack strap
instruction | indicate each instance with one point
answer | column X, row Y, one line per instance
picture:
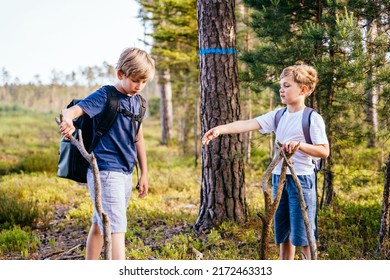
column 306, row 123
column 278, row 116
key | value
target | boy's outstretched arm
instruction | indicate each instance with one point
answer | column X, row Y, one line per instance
column 230, row 128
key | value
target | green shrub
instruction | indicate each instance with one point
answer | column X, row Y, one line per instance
column 39, row 161
column 14, row 211
column 18, row 240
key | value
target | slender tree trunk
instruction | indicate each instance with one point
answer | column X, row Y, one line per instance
column 166, row 106
column 372, row 91
column 329, row 123
column 313, row 99
column 223, row 188
column 384, row 237
column 247, row 114
column 196, row 132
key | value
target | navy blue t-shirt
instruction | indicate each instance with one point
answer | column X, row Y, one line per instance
column 116, row 150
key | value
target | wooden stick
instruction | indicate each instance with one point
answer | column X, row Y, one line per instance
column 272, row 206
column 312, row 244
column 97, row 186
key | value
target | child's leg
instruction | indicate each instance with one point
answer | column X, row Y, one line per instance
column 94, row 243
column 306, row 252
column 287, row 251
column 118, row 246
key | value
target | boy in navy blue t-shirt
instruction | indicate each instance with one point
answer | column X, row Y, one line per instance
column 117, row 151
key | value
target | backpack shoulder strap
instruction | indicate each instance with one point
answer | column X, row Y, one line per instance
column 278, row 116
column 108, row 117
column 141, row 113
column 142, row 107
column 306, row 123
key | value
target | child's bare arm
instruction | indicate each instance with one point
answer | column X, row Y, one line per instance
column 319, row 151
column 231, row 128
column 68, row 115
column 141, row 155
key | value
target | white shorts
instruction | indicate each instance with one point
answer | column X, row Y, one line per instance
column 116, row 191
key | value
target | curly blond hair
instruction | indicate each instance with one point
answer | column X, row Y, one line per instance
column 303, row 75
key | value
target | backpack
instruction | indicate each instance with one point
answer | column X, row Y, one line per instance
column 318, row 163
column 71, row 164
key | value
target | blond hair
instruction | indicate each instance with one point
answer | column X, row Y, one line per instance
column 136, row 63
column 302, row 75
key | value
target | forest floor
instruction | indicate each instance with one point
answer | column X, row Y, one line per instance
column 65, row 239
column 61, row 240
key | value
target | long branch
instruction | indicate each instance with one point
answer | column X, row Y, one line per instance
column 98, row 194
column 312, row 245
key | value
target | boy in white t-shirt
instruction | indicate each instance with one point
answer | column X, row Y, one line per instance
column 297, row 82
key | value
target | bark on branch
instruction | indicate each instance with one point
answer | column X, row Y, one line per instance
column 272, row 206
column 98, row 193
column 309, row 231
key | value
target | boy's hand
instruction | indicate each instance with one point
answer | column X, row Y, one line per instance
column 142, row 187
column 289, row 146
column 66, row 128
column 210, row 135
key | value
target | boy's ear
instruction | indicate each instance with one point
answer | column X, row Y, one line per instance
column 304, row 89
column 120, row 75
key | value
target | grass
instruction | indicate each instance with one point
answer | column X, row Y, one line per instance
column 160, row 225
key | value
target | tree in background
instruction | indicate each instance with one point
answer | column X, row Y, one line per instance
column 223, row 189
column 384, row 232
column 174, row 46
column 153, row 10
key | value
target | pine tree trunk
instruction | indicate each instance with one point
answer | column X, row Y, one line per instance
column 384, row 237
column 244, row 13
column 165, row 106
column 330, row 125
column 372, row 92
column 328, row 179
column 223, row 187
column 196, row 133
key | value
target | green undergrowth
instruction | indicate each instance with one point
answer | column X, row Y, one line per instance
column 161, row 226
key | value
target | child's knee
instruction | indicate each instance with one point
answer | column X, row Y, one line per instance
column 95, row 230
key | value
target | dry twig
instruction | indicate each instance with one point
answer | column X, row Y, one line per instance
column 271, row 206
column 98, row 197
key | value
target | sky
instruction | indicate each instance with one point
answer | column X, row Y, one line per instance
column 38, row 36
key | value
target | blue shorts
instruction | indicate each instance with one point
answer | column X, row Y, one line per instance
column 116, row 191
column 288, row 222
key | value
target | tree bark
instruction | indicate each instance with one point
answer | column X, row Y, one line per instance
column 372, row 91
column 309, row 230
column 384, row 237
column 165, row 105
column 223, row 187
column 270, row 206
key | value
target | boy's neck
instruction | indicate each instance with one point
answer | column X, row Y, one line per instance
column 295, row 108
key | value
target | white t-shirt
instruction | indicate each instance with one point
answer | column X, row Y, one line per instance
column 290, row 129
